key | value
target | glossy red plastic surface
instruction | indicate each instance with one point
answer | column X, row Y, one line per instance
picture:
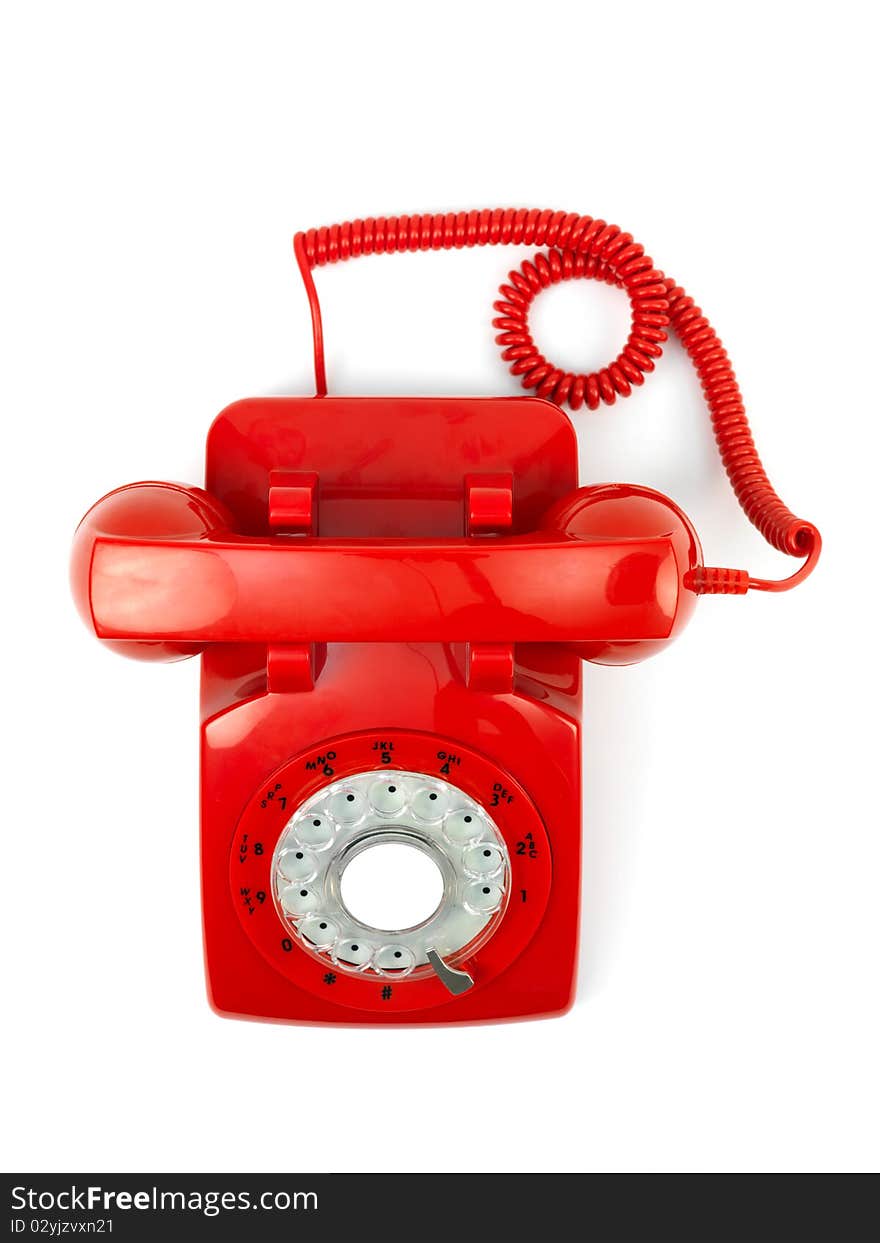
column 539, row 588
column 624, row 511
column 388, row 631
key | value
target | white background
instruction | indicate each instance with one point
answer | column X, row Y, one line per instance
column 157, row 159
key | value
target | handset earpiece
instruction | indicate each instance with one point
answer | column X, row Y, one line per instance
column 621, row 512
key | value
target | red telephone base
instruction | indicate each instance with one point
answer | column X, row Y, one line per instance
column 391, row 468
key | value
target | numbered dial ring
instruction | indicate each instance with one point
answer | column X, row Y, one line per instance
column 342, row 821
column 316, row 818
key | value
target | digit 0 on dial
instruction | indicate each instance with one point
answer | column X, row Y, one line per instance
column 301, row 832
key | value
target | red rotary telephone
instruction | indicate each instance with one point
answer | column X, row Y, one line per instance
column 392, row 598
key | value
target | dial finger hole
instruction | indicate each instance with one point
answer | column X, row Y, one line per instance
column 394, row 960
column 483, row 859
column 297, row 864
column 483, row 897
column 348, row 806
column 319, row 931
column 315, row 831
column 462, row 827
column 429, row 804
column 298, row 899
column 357, row 953
column 387, row 797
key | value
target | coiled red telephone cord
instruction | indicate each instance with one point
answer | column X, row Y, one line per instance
column 579, row 246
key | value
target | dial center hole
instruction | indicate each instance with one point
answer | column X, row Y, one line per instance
column 392, row 886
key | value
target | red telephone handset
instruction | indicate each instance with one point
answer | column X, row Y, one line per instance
column 392, row 598
column 607, row 566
